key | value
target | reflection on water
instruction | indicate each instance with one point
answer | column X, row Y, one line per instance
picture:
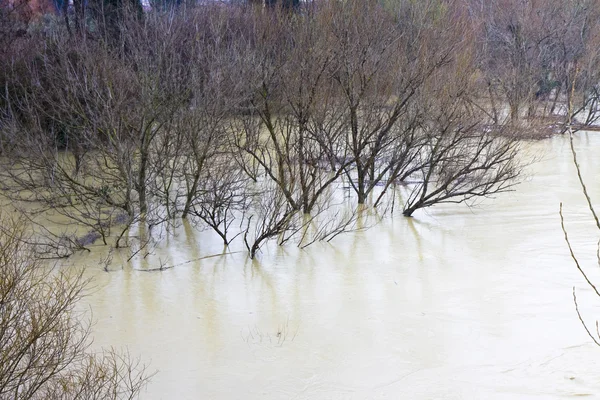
column 454, row 303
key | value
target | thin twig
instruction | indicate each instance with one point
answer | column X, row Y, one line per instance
column 163, row 267
column 581, row 319
column 583, row 186
column 562, row 224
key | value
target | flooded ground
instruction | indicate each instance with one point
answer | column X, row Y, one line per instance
column 455, row 303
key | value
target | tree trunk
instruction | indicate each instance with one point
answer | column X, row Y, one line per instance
column 141, row 184
column 409, row 211
column 190, row 195
column 362, row 196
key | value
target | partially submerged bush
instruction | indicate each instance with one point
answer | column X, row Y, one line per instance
column 44, row 342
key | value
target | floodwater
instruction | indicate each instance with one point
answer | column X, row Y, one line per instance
column 455, row 303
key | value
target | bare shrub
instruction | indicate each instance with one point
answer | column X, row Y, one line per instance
column 44, row 340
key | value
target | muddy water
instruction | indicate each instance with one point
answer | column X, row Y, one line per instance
column 455, row 303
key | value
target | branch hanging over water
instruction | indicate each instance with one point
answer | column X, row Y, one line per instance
column 562, row 224
column 164, row 267
column 583, row 187
column 582, row 322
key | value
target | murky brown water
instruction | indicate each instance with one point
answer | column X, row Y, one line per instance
column 455, row 303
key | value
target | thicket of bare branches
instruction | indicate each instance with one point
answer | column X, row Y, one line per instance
column 44, row 340
column 254, row 122
column 528, row 53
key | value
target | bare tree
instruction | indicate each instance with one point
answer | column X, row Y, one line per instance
column 97, row 123
column 222, row 197
column 64, row 154
column 464, row 159
column 295, row 126
column 463, row 162
column 378, row 73
column 272, row 217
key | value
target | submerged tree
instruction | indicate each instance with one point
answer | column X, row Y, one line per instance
column 464, row 158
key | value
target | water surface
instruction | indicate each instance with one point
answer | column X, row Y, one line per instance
column 455, row 303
